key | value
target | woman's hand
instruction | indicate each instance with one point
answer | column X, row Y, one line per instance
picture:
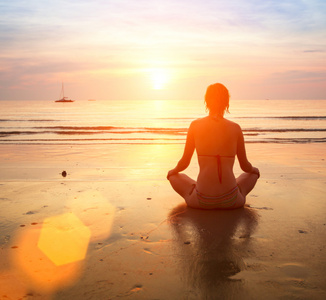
column 255, row 171
column 170, row 173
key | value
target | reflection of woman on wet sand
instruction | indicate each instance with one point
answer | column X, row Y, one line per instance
column 217, row 141
column 212, row 247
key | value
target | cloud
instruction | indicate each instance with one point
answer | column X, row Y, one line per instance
column 298, row 76
column 212, row 38
column 314, row 51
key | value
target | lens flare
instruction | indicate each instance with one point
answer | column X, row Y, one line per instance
column 34, row 267
column 64, row 239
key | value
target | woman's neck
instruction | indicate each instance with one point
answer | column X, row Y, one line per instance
column 216, row 116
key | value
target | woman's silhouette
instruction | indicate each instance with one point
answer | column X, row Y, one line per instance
column 217, row 141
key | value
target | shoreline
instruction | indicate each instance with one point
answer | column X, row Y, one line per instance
column 144, row 243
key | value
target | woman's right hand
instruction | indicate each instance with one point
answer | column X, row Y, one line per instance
column 170, row 173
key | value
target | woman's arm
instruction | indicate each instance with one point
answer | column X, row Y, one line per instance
column 242, row 155
column 187, row 153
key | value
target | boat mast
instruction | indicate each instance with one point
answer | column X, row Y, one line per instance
column 63, row 91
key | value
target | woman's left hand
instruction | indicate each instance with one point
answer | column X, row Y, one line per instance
column 255, row 171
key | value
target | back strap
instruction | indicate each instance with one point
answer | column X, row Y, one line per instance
column 219, row 164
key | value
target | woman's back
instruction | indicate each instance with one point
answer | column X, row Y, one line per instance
column 216, row 146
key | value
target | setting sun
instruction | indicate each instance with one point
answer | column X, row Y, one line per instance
column 159, row 78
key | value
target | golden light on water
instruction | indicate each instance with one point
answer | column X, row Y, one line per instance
column 64, row 239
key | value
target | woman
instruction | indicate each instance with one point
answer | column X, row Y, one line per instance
column 217, row 141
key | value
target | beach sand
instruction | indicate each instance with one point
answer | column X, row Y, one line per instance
column 113, row 228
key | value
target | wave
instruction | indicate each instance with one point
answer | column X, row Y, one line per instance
column 286, row 130
column 289, row 140
column 31, row 120
column 187, row 118
column 287, row 117
column 152, row 141
column 155, row 135
column 170, row 130
column 89, row 130
column 260, row 117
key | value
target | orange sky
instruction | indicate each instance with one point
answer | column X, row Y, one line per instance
column 162, row 49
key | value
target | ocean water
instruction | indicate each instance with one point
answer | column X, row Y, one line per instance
column 155, row 122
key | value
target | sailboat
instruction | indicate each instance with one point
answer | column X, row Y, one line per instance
column 63, row 99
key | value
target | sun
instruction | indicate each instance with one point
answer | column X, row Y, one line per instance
column 159, row 77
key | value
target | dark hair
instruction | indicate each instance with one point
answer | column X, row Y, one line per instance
column 217, row 99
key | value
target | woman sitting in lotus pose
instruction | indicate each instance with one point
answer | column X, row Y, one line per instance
column 217, row 142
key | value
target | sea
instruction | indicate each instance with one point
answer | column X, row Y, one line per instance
column 156, row 121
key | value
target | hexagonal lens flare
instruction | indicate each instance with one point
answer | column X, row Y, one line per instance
column 64, row 239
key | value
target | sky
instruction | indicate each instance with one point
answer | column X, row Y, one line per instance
column 162, row 49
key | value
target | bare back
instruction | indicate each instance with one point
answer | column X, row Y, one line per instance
column 213, row 138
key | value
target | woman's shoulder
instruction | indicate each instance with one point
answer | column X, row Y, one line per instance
column 206, row 120
column 233, row 124
column 198, row 121
column 234, row 127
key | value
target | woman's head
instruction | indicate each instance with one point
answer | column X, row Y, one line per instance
column 217, row 99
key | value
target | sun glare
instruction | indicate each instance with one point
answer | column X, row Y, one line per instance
column 159, row 78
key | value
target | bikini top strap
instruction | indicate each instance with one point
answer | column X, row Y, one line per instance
column 219, row 165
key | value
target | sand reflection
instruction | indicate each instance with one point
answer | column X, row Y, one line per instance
column 210, row 248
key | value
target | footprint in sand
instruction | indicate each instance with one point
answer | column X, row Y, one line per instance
column 264, row 208
column 137, row 288
column 295, row 271
column 31, row 212
column 149, row 251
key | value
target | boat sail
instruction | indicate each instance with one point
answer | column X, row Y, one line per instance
column 63, row 99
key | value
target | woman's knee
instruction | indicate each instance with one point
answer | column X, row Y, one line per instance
column 247, row 182
column 176, row 179
column 181, row 183
column 181, row 178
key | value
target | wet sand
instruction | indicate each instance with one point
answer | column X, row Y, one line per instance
column 114, row 229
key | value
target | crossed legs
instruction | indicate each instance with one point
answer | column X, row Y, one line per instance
column 246, row 182
column 184, row 185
